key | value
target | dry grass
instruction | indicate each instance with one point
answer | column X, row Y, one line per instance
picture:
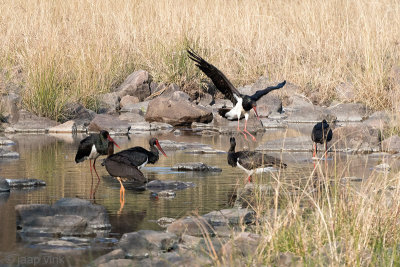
column 95, row 44
column 335, row 224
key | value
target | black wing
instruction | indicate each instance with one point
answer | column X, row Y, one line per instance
column 261, row 93
column 135, row 156
column 252, row 160
column 118, row 166
column 84, row 149
column 220, row 81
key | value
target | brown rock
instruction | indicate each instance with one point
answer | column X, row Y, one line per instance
column 177, row 110
column 136, row 84
column 128, row 99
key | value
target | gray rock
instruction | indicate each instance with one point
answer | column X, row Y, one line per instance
column 6, row 142
column 356, row 139
column 110, row 123
column 220, row 103
column 4, row 196
column 195, row 166
column 163, row 185
column 68, row 216
column 25, row 183
column 173, row 145
column 243, row 245
column 6, row 153
column 142, row 244
column 57, row 246
column 170, row 90
column 113, row 255
column 109, row 103
column 79, row 114
column 193, row 226
column 128, row 100
column 379, row 120
column 28, row 122
column 391, row 144
column 205, row 100
column 177, row 110
column 163, row 194
column 205, row 150
column 138, row 108
column 300, row 143
column 306, row 113
column 152, row 126
column 350, row 112
column 136, row 84
column 231, row 217
column 4, row 186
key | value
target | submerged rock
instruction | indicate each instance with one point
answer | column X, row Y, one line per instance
column 162, row 185
column 195, row 166
column 68, row 216
column 25, row 183
column 163, row 194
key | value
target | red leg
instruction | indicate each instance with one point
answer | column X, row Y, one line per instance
column 121, row 195
column 94, row 167
column 245, row 130
column 238, row 128
column 90, row 164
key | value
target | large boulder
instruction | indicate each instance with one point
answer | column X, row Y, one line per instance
column 136, row 84
column 177, row 110
column 31, row 123
column 109, row 123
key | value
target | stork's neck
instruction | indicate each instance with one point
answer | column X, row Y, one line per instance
column 110, row 148
column 232, row 148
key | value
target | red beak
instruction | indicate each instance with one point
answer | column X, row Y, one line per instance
column 255, row 110
column 111, row 140
column 159, row 148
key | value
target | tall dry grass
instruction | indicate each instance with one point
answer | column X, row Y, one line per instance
column 325, row 221
column 95, row 44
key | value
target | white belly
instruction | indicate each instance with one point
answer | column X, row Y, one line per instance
column 236, row 111
column 249, row 172
column 94, row 154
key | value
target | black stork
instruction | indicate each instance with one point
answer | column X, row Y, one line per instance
column 93, row 146
column 242, row 103
column 126, row 164
column 322, row 134
column 251, row 161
